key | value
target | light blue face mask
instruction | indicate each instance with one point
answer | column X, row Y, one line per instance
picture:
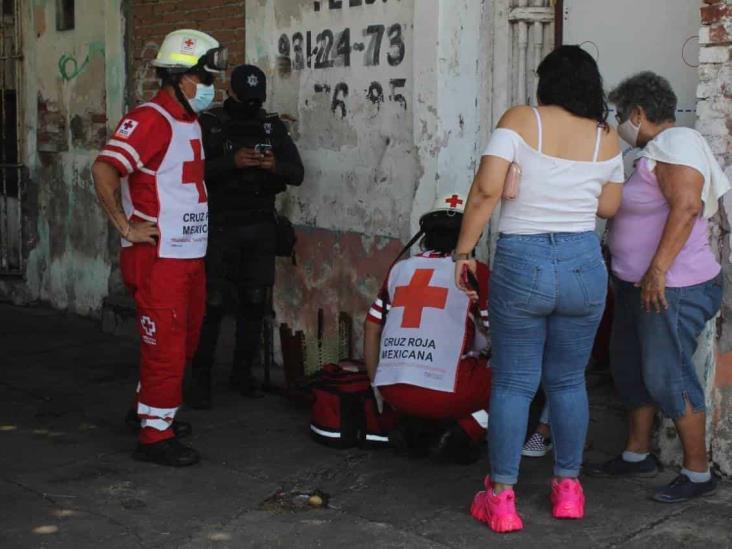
column 203, row 99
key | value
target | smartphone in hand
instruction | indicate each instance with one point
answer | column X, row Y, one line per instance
column 470, row 280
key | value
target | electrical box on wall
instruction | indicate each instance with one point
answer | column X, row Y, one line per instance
column 628, row 36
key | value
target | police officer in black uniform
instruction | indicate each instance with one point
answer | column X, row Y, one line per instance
column 250, row 158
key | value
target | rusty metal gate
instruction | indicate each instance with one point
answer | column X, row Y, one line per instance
column 11, row 169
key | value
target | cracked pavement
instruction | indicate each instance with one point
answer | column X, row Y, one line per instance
column 67, row 479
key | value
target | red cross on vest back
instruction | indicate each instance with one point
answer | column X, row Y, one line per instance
column 189, row 43
column 127, row 125
column 193, row 171
column 454, row 201
column 418, row 296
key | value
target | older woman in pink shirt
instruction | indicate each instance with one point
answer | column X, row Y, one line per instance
column 667, row 283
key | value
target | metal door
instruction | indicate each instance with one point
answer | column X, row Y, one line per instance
column 11, row 169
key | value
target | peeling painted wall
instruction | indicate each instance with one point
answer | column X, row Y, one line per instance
column 386, row 98
column 73, row 86
column 345, row 73
column 714, row 121
column 341, row 271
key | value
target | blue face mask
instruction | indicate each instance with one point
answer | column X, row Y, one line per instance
column 203, row 99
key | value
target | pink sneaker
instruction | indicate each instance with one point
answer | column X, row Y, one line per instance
column 568, row 499
column 498, row 512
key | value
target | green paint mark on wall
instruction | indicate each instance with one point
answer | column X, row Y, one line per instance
column 68, row 66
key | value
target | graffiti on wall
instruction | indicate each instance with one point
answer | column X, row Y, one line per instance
column 373, row 45
column 69, row 67
column 144, row 77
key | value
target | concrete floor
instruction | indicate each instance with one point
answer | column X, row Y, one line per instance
column 67, row 480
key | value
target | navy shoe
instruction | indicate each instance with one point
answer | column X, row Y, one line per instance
column 618, row 467
column 683, row 489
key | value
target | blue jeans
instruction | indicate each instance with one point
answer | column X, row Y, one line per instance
column 651, row 353
column 547, row 298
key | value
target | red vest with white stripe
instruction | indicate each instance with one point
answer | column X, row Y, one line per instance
column 425, row 330
column 182, row 215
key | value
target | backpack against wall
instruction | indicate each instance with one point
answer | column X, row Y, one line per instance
column 344, row 412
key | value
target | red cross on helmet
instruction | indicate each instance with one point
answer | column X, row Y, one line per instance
column 448, row 206
column 450, row 203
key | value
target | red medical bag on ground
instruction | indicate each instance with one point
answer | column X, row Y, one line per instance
column 344, row 412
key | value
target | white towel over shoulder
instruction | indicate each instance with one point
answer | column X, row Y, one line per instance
column 688, row 147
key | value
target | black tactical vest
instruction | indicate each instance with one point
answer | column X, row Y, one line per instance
column 241, row 190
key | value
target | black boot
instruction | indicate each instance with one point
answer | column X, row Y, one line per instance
column 247, row 347
column 455, row 446
column 199, row 394
column 168, row 452
column 245, row 383
column 412, row 437
column 180, row 428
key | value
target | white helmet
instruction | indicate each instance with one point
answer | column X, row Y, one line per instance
column 454, row 203
column 184, row 49
column 448, row 206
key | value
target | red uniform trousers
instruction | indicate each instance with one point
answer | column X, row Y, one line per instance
column 170, row 295
column 468, row 405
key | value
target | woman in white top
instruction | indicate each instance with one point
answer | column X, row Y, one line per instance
column 549, row 279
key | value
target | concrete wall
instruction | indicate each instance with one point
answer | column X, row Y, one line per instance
column 384, row 102
column 715, row 122
column 72, row 92
column 75, row 91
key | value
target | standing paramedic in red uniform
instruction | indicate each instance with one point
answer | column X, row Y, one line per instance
column 149, row 179
column 423, row 343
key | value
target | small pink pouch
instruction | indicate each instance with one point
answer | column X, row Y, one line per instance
column 512, row 183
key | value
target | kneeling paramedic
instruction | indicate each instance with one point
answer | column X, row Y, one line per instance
column 155, row 161
column 425, row 345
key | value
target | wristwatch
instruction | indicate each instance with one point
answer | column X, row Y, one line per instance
column 460, row 257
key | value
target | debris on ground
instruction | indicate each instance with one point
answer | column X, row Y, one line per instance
column 295, row 500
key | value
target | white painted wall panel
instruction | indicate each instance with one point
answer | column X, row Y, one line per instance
column 628, row 36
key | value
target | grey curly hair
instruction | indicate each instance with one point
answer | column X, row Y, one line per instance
column 651, row 92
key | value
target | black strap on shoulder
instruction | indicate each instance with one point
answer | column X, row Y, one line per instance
column 406, row 248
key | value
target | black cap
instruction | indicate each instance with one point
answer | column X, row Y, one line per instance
column 249, row 82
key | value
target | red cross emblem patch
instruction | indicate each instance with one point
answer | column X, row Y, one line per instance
column 149, row 330
column 126, row 128
column 189, row 45
column 148, row 326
